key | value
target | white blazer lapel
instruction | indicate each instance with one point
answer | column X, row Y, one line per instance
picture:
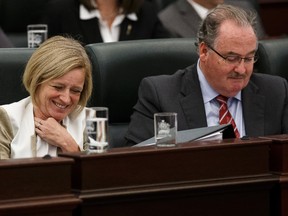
column 23, row 144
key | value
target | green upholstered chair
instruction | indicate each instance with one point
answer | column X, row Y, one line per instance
column 273, row 57
column 12, row 66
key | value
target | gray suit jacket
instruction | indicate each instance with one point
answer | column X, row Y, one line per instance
column 181, row 20
column 264, row 101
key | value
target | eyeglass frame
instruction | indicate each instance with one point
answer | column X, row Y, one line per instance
column 246, row 60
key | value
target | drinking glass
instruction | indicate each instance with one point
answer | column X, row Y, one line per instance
column 97, row 129
column 36, row 34
column 165, row 127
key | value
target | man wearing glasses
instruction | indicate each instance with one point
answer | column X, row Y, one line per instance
column 227, row 44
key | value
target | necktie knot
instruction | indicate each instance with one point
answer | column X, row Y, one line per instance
column 222, row 99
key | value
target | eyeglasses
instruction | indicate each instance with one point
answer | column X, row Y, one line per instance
column 235, row 59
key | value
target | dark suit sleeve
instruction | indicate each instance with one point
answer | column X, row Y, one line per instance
column 266, row 107
column 276, row 106
column 141, row 125
column 161, row 93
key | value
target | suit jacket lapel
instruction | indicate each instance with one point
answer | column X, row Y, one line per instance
column 91, row 31
column 189, row 15
column 192, row 101
column 253, row 110
column 127, row 29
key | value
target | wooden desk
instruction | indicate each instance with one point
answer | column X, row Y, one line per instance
column 36, row 187
column 230, row 177
column 279, row 166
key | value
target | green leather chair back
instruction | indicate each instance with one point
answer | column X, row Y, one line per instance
column 12, row 66
column 273, row 57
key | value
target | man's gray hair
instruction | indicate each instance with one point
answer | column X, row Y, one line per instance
column 209, row 28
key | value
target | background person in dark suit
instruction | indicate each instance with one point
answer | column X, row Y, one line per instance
column 227, row 46
column 183, row 17
column 103, row 20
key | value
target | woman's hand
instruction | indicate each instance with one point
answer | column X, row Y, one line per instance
column 55, row 134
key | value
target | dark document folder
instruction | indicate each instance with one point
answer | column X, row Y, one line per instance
column 226, row 131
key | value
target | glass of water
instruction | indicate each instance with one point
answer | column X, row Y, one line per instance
column 97, row 129
column 36, row 34
column 165, row 128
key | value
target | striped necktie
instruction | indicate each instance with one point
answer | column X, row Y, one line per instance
column 225, row 116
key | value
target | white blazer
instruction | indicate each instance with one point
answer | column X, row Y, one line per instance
column 25, row 142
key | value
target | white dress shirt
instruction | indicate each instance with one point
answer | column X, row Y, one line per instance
column 212, row 106
column 201, row 11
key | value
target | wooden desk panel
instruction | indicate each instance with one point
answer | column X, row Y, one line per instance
column 230, row 177
column 202, row 178
column 279, row 166
column 152, row 165
column 284, row 195
column 36, row 187
column 279, row 153
column 223, row 201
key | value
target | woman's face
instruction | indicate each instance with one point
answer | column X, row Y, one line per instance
column 59, row 97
